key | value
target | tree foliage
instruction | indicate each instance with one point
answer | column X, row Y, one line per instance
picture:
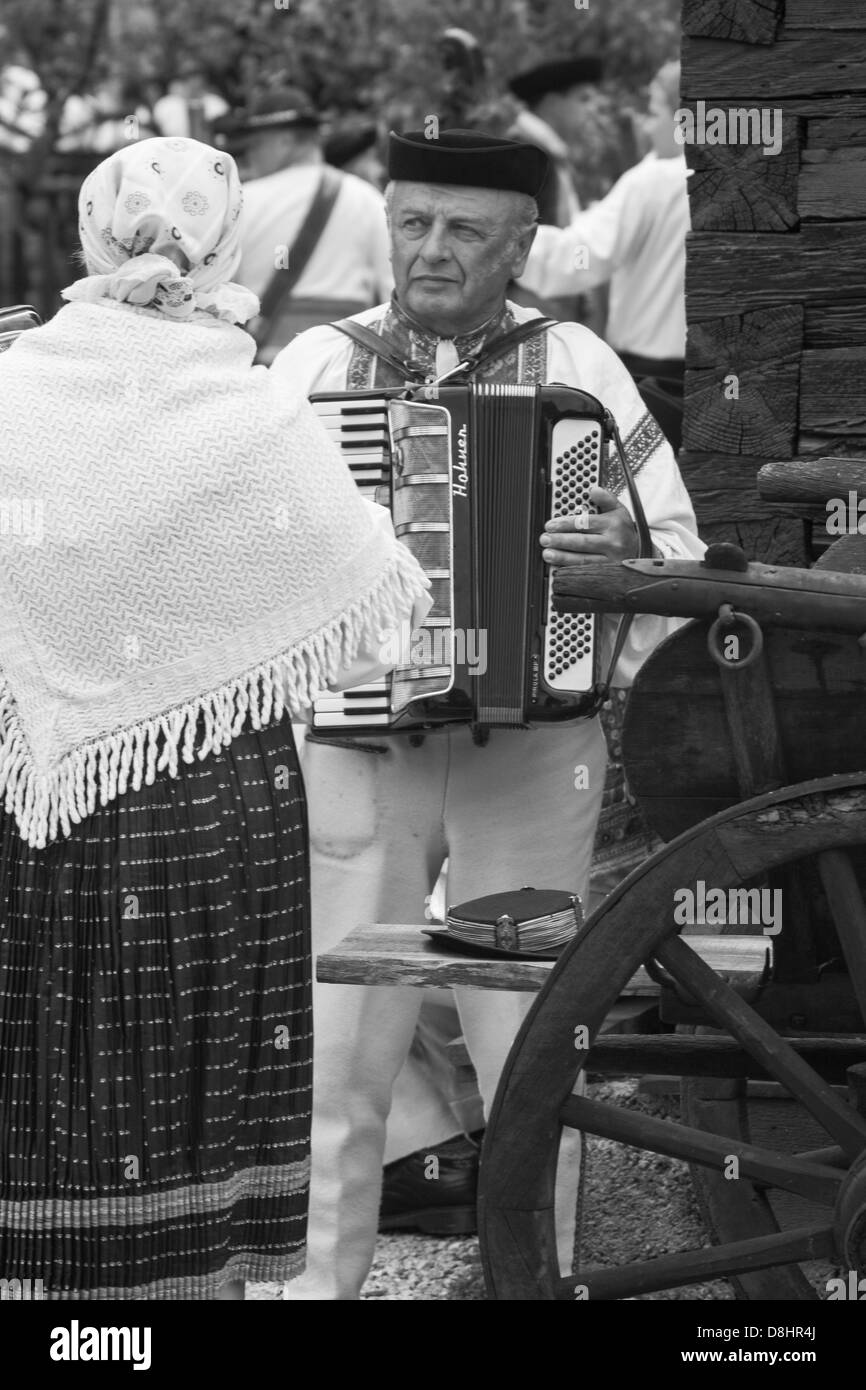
column 348, row 54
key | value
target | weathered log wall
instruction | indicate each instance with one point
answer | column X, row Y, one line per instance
column 776, row 260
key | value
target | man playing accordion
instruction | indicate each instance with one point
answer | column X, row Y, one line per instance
column 386, row 812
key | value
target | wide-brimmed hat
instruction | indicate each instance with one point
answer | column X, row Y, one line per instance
column 558, row 76
column 280, row 108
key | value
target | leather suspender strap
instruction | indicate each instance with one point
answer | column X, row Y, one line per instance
column 309, row 234
column 379, row 344
column 497, row 347
column 385, row 348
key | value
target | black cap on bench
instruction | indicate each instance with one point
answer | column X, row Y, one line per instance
column 469, row 158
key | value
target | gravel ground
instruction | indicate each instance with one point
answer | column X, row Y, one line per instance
column 638, row 1205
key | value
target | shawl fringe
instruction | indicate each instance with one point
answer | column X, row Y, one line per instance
column 102, row 770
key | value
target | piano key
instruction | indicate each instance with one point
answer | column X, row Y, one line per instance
column 352, row 417
column 372, row 476
column 370, row 688
column 357, row 717
column 351, row 439
column 337, row 701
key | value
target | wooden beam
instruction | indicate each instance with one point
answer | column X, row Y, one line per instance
column 742, row 382
column 743, row 21
column 829, row 14
column 833, row 391
column 677, row 1054
column 738, row 187
column 722, row 487
column 835, row 132
column 835, row 325
column 798, row 65
column 832, row 184
column 729, row 273
column 778, row 540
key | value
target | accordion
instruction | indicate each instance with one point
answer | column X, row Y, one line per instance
column 14, row 321
column 471, row 474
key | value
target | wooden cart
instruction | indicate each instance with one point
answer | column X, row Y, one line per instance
column 750, row 760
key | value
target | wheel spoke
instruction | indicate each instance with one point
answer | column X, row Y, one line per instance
column 694, row 1266
column 764, row 1044
column 832, row 1156
column 819, row 1184
column 676, row 1054
column 849, row 915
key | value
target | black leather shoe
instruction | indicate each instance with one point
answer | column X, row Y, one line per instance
column 433, row 1190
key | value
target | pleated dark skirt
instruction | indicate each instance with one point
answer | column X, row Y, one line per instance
column 156, row 1036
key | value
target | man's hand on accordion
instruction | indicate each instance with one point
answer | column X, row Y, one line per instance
column 611, row 532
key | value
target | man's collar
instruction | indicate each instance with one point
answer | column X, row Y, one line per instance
column 466, row 343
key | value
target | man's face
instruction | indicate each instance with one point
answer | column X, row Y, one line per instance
column 660, row 124
column 266, row 152
column 569, row 111
column 454, row 251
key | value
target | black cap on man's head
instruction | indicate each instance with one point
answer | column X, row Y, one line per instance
column 535, row 83
column 467, row 157
column 281, row 108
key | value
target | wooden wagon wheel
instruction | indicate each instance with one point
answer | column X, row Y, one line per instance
column 825, row 818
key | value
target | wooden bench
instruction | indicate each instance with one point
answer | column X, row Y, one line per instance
column 390, row 954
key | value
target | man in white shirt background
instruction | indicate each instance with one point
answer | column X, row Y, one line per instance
column 633, row 239
column 306, row 272
column 558, row 97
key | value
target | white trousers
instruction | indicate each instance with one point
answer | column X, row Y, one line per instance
column 515, row 812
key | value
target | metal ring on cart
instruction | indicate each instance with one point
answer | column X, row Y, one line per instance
column 728, row 616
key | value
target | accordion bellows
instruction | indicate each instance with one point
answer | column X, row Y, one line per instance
column 527, row 920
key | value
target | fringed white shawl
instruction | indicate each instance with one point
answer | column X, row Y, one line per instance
column 180, row 548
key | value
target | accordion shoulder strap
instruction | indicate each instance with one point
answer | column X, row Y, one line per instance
column 384, row 347
column 497, row 347
column 379, row 344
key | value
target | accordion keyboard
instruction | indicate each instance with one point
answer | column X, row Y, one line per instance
column 360, row 432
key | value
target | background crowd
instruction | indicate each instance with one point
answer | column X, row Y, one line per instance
column 80, row 79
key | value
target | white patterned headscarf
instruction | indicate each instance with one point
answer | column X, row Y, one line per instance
column 145, row 204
